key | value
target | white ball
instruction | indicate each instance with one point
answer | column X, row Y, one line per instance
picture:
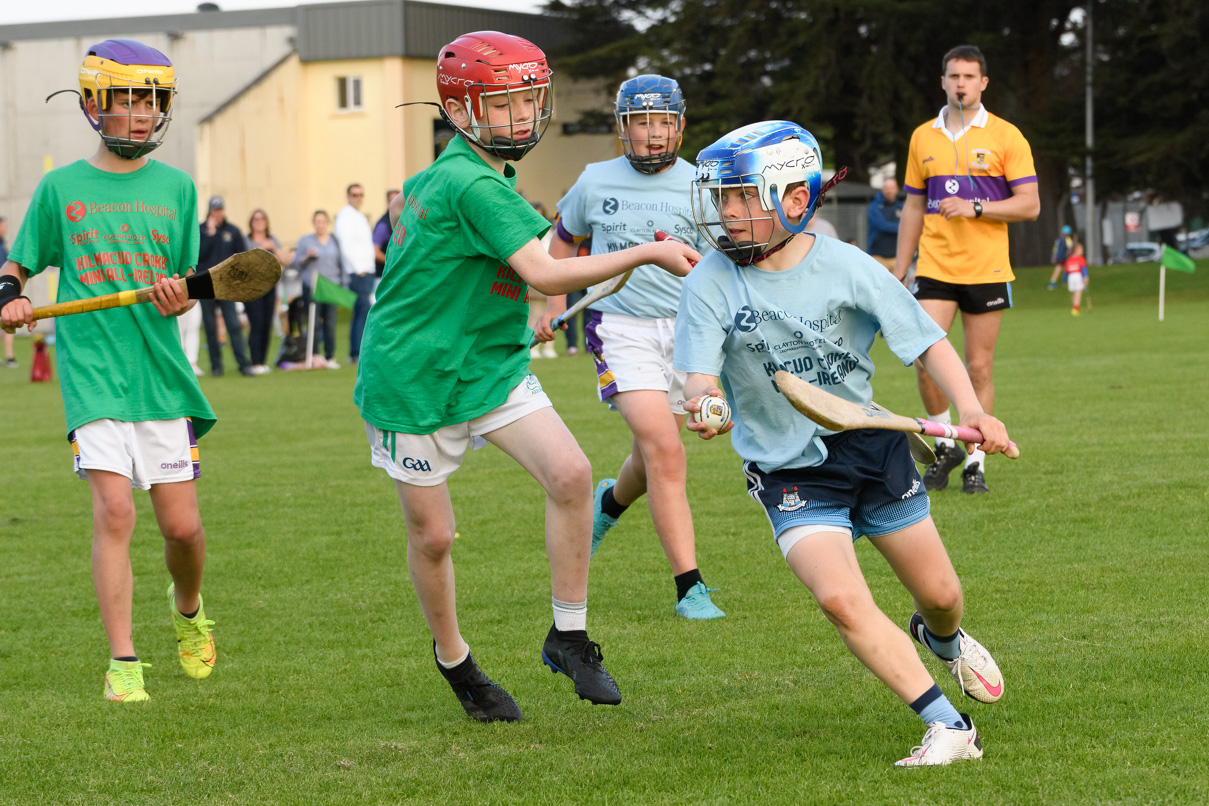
column 715, row 412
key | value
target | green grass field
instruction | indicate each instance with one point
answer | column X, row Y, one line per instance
column 1084, row 573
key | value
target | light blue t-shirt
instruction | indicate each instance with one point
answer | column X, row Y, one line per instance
column 818, row 318
column 620, row 207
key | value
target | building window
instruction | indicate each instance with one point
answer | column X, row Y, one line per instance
column 348, row 93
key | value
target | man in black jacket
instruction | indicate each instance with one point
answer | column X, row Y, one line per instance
column 219, row 240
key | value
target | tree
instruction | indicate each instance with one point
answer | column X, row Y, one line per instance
column 861, row 75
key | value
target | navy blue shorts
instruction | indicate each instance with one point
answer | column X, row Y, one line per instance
column 867, row 484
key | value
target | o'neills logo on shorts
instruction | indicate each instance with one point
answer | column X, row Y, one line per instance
column 178, row 465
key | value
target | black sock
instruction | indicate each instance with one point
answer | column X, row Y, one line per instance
column 191, row 615
column 609, row 505
column 128, row 659
column 685, row 582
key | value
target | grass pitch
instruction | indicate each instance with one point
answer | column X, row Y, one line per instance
column 1084, row 573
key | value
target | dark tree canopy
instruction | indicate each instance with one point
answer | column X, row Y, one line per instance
column 862, row 74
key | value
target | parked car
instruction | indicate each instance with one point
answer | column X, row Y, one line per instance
column 1196, row 243
column 1139, row 252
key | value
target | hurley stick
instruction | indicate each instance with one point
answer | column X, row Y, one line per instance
column 836, row 414
column 243, row 277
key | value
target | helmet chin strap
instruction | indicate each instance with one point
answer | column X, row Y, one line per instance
column 792, row 229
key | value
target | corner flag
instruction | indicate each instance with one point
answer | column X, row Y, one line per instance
column 1176, row 260
column 328, row 292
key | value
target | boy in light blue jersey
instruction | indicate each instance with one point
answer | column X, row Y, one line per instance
column 623, row 203
column 766, row 300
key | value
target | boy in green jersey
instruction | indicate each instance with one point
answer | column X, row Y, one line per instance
column 445, row 357
column 119, row 221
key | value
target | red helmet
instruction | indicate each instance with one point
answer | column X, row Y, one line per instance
column 485, row 63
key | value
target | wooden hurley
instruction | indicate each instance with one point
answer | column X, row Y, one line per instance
column 837, row 414
column 243, row 277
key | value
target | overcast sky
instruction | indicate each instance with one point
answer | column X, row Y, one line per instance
column 12, row 11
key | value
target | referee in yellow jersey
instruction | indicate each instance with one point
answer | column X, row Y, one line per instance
column 969, row 174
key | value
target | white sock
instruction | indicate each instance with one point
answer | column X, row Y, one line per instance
column 445, row 665
column 980, row 457
column 943, row 418
column 570, row 615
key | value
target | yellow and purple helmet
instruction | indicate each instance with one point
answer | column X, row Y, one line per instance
column 126, row 65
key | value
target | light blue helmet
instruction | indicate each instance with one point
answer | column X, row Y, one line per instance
column 767, row 157
column 650, row 95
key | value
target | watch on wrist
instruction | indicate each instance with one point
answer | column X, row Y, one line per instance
column 977, row 209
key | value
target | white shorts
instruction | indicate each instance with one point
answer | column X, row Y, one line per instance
column 427, row 460
column 1074, row 281
column 147, row 453
column 633, row 354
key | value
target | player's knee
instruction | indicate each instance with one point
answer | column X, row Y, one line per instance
column 116, row 517
column 664, row 457
column 844, row 608
column 941, row 597
column 184, row 532
column 572, row 480
column 433, row 541
column 980, row 371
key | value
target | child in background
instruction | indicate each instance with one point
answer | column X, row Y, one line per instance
column 1076, row 277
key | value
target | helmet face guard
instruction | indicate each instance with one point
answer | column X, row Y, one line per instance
column 116, row 75
column 477, row 70
column 654, row 100
column 754, row 167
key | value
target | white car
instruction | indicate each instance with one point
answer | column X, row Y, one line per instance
column 1139, row 252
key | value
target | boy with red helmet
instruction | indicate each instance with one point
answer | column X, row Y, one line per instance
column 119, row 221
column 445, row 358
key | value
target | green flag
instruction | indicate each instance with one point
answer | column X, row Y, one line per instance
column 1177, row 260
column 328, row 292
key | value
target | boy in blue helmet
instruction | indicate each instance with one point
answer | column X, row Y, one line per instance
column 773, row 296
column 119, row 221
column 621, row 203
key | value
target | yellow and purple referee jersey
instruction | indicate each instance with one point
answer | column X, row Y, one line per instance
column 983, row 163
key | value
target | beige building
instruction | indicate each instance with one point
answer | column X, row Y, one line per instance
column 283, row 108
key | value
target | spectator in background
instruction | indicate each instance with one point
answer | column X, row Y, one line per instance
column 883, row 215
column 219, row 240
column 10, row 358
column 356, row 243
column 318, row 254
column 382, row 238
column 1059, row 254
column 261, row 311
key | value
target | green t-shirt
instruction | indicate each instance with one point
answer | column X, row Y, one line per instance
column 111, row 232
column 448, row 337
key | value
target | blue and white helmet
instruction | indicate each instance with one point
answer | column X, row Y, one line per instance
column 767, row 157
column 650, row 95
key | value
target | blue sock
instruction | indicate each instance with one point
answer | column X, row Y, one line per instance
column 946, row 646
column 933, row 706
